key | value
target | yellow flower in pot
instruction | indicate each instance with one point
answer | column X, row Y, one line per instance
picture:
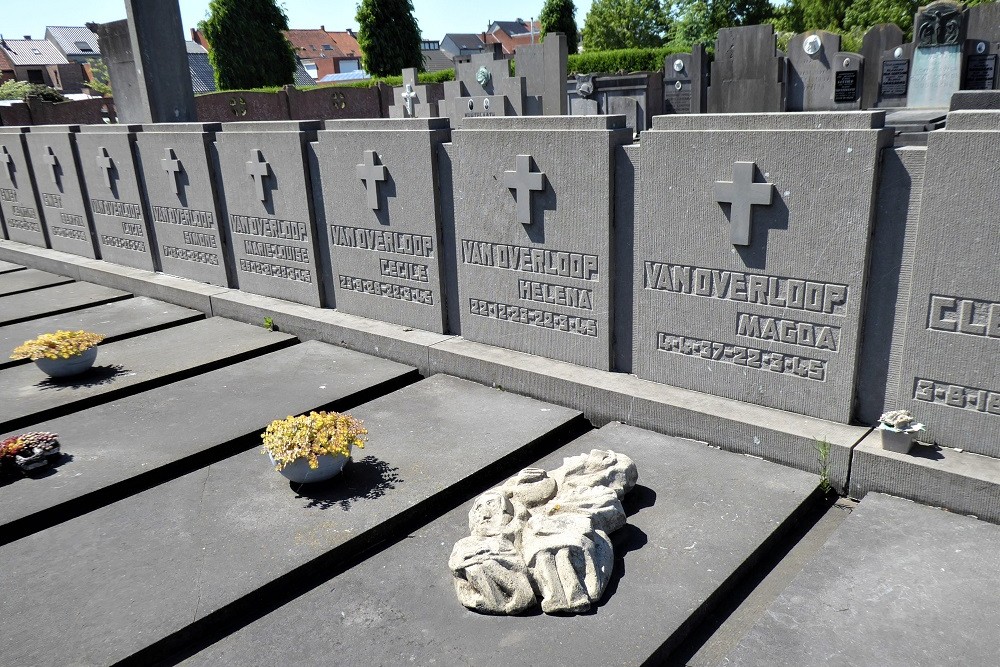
column 313, row 447
column 61, row 354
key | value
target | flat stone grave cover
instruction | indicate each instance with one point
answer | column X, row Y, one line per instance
column 29, row 280
column 124, row 576
column 57, row 299
column 180, row 190
column 111, row 176
column 8, row 267
column 696, row 518
column 950, row 362
column 115, row 320
column 533, row 202
column 750, row 266
column 383, row 227
column 897, row 584
column 130, row 364
column 186, row 421
column 18, row 198
column 60, row 188
column 269, row 208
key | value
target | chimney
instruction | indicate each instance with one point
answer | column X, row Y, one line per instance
column 27, row 36
column 323, row 28
column 350, row 32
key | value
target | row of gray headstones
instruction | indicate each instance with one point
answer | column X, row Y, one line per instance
column 953, row 48
column 731, row 255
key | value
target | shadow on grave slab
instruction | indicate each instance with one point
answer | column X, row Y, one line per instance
column 367, row 479
column 39, row 473
column 96, row 376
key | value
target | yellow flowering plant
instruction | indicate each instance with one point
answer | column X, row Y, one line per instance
column 311, row 436
column 58, row 345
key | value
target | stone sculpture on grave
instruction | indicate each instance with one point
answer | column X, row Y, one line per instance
column 939, row 37
column 22, row 215
column 413, row 100
column 483, row 87
column 544, row 534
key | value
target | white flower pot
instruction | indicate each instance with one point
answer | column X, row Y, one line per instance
column 896, row 441
column 298, row 471
column 61, row 368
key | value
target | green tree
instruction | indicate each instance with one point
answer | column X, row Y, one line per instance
column 699, row 21
column 801, row 15
column 864, row 14
column 560, row 16
column 101, row 83
column 248, row 47
column 22, row 90
column 625, row 24
column 388, row 36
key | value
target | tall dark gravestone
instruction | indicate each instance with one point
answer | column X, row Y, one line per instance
column 382, row 234
column 939, row 38
column 879, row 39
column 110, row 174
column 685, row 81
column 268, row 200
column 748, row 74
column 53, row 151
column 533, row 229
column 180, row 189
column 982, row 47
column 22, row 214
column 750, row 269
column 543, row 67
column 950, row 370
column 820, row 76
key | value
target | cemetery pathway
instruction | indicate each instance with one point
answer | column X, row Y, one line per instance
column 162, row 535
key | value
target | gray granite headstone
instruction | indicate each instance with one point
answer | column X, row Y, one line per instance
column 950, row 375
column 22, row 214
column 879, row 39
column 181, row 195
column 820, row 76
column 939, row 37
column 748, row 73
column 638, row 96
column 412, row 100
column 382, row 231
column 483, row 88
column 268, row 199
column 53, row 151
column 533, row 221
column 110, row 174
column 750, row 267
column 982, row 47
column 543, row 67
column 680, row 83
column 894, row 76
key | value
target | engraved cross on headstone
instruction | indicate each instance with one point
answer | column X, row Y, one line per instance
column 524, row 181
column 6, row 158
column 408, row 97
column 53, row 162
column 172, row 166
column 742, row 193
column 371, row 174
column 258, row 169
column 105, row 164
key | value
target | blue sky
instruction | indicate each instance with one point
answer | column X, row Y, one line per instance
column 436, row 17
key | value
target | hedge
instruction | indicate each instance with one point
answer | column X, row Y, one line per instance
column 621, row 60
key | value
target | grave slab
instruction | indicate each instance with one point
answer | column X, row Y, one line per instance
column 950, row 359
column 53, row 300
column 29, row 280
column 533, row 223
column 115, row 320
column 382, row 243
column 132, row 573
column 746, row 283
column 7, row 267
column 22, row 215
column 897, row 584
column 52, row 149
column 185, row 426
column 131, row 365
column 111, row 176
column 179, row 185
column 269, row 208
column 697, row 517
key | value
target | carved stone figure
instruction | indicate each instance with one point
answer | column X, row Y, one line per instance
column 544, row 536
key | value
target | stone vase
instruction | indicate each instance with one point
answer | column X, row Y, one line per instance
column 896, row 441
column 298, row 471
column 61, row 368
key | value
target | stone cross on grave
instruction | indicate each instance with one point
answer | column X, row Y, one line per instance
column 53, row 162
column 172, row 166
column 371, row 174
column 408, row 97
column 258, row 169
column 742, row 193
column 105, row 164
column 6, row 158
column 523, row 181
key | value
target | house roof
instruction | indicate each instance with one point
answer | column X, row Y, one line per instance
column 356, row 75
column 32, row 52
column 313, row 44
column 202, row 72
column 465, row 40
column 301, row 76
column 436, row 60
column 5, row 63
column 72, row 40
column 347, row 43
column 514, row 28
